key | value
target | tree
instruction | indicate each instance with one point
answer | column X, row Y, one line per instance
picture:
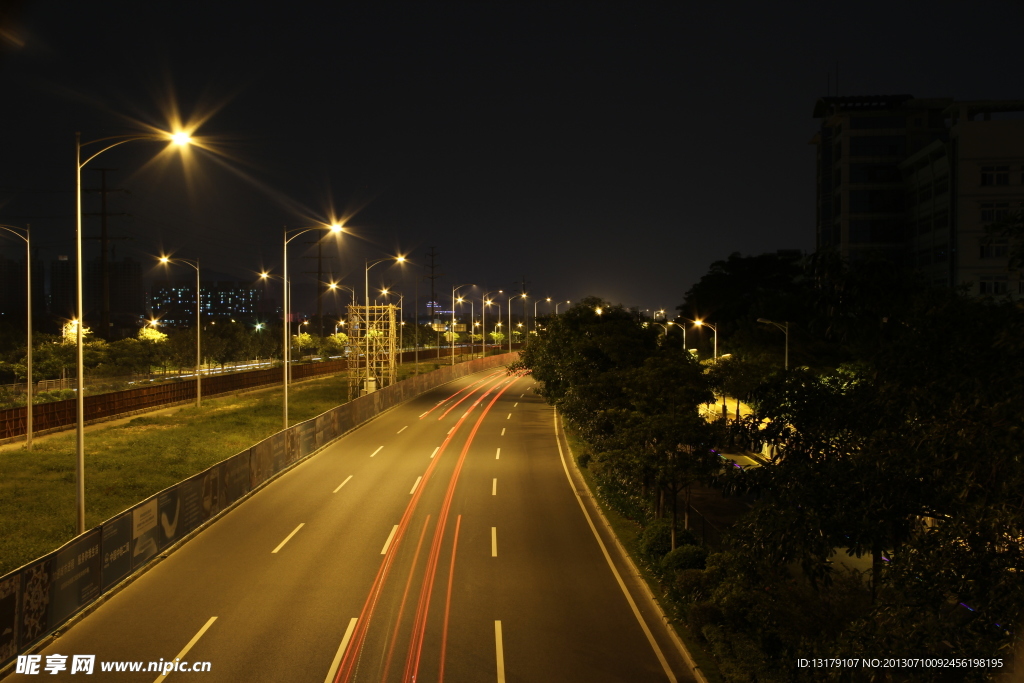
column 69, row 332
column 662, row 425
column 334, row 345
column 739, row 290
column 151, row 334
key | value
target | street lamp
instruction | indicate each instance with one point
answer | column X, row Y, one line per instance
column 484, row 303
column 785, row 328
column 178, row 139
column 286, row 350
column 453, row 333
column 25, row 234
column 472, row 315
column 366, row 310
column 333, row 286
column 195, row 266
column 559, row 304
column 521, row 296
column 701, row 323
column 401, row 322
column 535, row 304
column 683, row 328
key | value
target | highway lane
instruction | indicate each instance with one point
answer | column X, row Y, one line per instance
column 525, row 558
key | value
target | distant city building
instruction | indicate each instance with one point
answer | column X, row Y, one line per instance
column 174, row 302
column 918, row 180
column 12, row 287
column 437, row 310
column 127, row 294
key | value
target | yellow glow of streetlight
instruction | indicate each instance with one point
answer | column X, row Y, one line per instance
column 598, row 310
column 164, row 259
column 181, row 138
column 336, row 227
column 400, row 259
column 698, row 323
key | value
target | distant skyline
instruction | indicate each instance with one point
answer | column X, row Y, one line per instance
column 607, row 150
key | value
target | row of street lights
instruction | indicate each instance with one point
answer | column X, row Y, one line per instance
column 176, row 139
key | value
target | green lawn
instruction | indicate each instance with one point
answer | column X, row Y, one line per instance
column 126, row 463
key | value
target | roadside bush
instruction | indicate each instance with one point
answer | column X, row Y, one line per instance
column 689, row 556
column 656, row 540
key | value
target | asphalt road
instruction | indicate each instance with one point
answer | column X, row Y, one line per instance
column 443, row 540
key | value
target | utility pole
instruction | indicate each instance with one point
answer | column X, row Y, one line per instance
column 319, row 280
column 104, row 240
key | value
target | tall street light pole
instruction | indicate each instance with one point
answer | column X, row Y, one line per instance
column 519, row 296
column 194, row 264
column 484, row 303
column 535, row 304
column 366, row 310
column 701, row 323
column 559, row 304
column 401, row 322
column 25, row 234
column 453, row 332
column 286, row 350
column 179, row 139
column 785, row 328
column 472, row 315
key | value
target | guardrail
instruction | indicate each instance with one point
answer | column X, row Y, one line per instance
column 42, row 595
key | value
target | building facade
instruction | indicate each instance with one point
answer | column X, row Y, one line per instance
column 174, row 301
column 918, row 181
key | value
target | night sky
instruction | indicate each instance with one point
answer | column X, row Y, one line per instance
column 592, row 148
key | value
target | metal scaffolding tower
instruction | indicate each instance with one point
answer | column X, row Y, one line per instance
column 373, row 342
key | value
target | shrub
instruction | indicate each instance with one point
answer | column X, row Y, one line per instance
column 656, row 540
column 684, row 557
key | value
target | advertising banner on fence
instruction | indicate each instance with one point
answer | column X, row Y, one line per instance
column 279, row 451
column 116, row 544
column 261, row 462
column 35, row 601
column 77, row 577
column 324, row 430
column 169, row 506
column 235, row 473
column 306, row 437
column 145, row 535
column 9, row 601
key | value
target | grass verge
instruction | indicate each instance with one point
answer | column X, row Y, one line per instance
column 128, row 462
column 628, row 533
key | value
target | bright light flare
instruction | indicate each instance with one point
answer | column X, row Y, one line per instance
column 181, row 138
column 164, row 259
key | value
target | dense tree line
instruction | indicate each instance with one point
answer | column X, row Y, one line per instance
column 895, row 436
